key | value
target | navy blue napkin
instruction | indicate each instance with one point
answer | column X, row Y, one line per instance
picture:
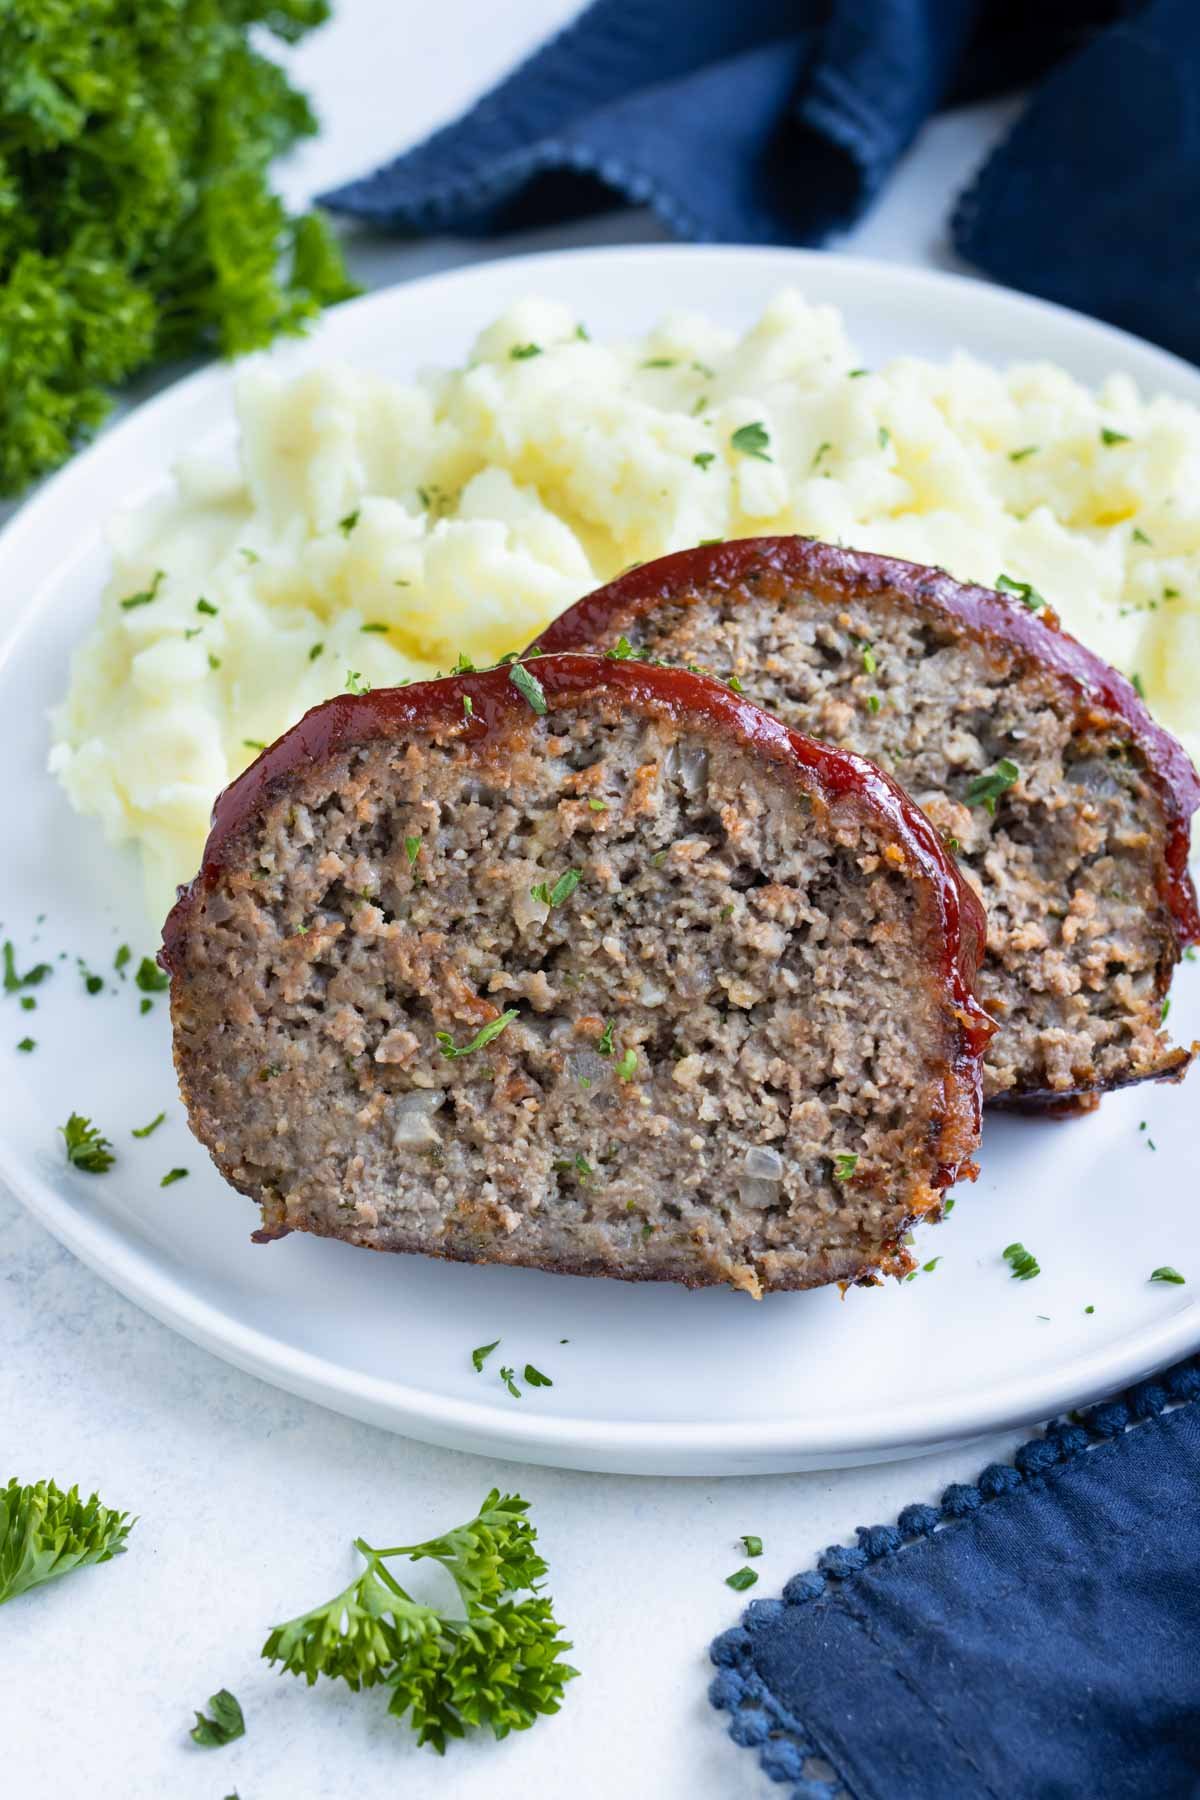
column 778, row 121
column 1038, row 1634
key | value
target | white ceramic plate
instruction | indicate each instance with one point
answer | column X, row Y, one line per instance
column 649, row 1379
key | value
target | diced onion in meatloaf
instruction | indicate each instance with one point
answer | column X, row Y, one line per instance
column 586, row 966
column 1065, row 803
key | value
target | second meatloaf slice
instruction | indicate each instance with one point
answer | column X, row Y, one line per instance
column 1065, row 803
column 586, row 966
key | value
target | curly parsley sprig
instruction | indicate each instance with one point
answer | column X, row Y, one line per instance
column 45, row 1533
column 499, row 1665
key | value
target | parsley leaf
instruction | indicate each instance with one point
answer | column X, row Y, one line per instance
column 702, row 458
column 225, row 1724
column 480, row 1356
column 752, row 1545
column 27, row 1044
column 355, row 683
column 1022, row 1265
column 412, row 849
column 529, row 687
column 987, row 788
column 604, row 1045
column 752, row 440
column 1113, row 437
column 143, row 1131
column 741, row 1579
column 147, row 595
column 1020, row 455
column 627, row 1066
column 1167, row 1273
column 1022, row 590
column 13, row 982
column 506, row 1376
column 535, row 1378
column 562, row 890
column 495, row 1661
column 346, row 525
column 621, row 651
column 87, row 1148
column 150, row 978
column 172, row 1176
column 45, row 1533
column 491, row 1030
column 845, row 1165
column 523, row 352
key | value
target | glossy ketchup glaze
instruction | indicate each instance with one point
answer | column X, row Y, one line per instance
column 499, row 711
column 840, row 576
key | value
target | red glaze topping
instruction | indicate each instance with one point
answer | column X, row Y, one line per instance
column 841, row 575
column 436, row 707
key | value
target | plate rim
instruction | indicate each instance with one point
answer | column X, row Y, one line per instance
column 670, row 1446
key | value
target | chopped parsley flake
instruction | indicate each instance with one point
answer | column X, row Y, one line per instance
column 751, row 1545
column 491, row 1030
column 627, row 1066
column 1113, row 437
column 529, row 687
column 315, row 652
column 32, row 977
column 462, row 664
column 149, row 594
column 582, row 332
column 741, row 1579
column 226, row 1723
column 605, row 1044
column 659, row 362
column 702, row 458
column 94, row 984
column 146, row 1006
column 28, row 1003
column 931, row 1265
column 468, row 706
column 214, row 662
column 376, row 625
column 206, row 606
column 535, row 1378
column 1022, row 1265
column 254, row 743
column 621, row 651
column 885, row 437
column 27, row 1044
column 868, row 659
column 752, row 440
column 1135, row 681
column 523, row 352
column 1089, row 1309
column 822, row 450
column 355, row 683
column 844, row 1165
column 143, row 1131
column 562, row 890
column 1020, row 455
column 1168, row 1274
column 734, row 685
column 346, row 525
column 1166, row 1007
column 171, row 1176
column 987, row 788
column 480, row 1356
column 856, row 374
column 873, row 703
column 87, row 1147
column 506, row 1376
column 150, row 978
column 412, row 849
column 1139, row 536
column 1021, row 590
column 595, row 805
column 121, row 958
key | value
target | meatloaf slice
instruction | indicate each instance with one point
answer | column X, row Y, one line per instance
column 582, row 965
column 1066, row 805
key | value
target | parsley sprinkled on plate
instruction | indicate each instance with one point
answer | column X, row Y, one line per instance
column 1108, row 436
column 506, row 1376
column 535, row 1378
column 87, row 1147
column 315, row 652
column 143, row 1131
column 480, row 1356
column 346, row 525
column 844, row 1165
column 33, row 977
column 412, row 849
column 150, row 978
column 355, row 683
column 752, row 1545
column 1020, row 455
column 703, row 458
column 523, row 352
column 1022, row 1265
column 741, row 1579
column 491, row 1030
column 621, row 651
column 121, row 959
column 1168, row 1274
column 27, row 1044
column 172, row 1176
column 627, row 1067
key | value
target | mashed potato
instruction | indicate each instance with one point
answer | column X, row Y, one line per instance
column 373, row 531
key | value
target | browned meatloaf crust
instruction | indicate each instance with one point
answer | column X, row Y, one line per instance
column 734, row 969
column 1081, row 863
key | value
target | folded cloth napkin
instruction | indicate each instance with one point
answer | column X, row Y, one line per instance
column 1037, row 1634
column 778, row 121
